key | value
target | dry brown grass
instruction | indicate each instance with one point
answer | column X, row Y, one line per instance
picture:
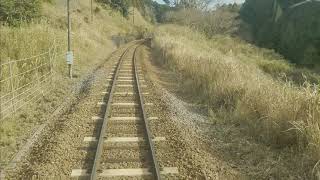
column 92, row 42
column 275, row 112
column 227, row 32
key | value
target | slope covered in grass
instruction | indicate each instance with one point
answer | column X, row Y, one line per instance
column 92, row 43
column 292, row 27
column 230, row 77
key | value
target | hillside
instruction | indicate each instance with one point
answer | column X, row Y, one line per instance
column 238, row 84
column 249, row 91
column 290, row 27
column 34, row 77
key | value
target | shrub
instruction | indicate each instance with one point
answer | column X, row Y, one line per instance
column 15, row 11
column 119, row 5
column 221, row 21
column 291, row 30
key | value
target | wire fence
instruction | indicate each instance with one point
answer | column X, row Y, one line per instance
column 25, row 80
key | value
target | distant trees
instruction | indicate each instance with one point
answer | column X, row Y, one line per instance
column 166, row 1
column 144, row 6
column 292, row 31
column 14, row 12
column 160, row 10
column 223, row 20
column 120, row 5
column 194, row 4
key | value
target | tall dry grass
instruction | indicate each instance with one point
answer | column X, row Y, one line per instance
column 275, row 112
column 267, row 60
column 226, row 31
column 92, row 43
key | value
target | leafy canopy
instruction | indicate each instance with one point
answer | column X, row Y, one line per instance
column 14, row 12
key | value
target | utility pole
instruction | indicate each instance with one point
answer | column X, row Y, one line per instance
column 69, row 53
column 133, row 16
column 91, row 10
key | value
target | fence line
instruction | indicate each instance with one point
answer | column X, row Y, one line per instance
column 16, row 75
column 26, row 80
column 26, row 99
column 21, row 88
column 19, row 60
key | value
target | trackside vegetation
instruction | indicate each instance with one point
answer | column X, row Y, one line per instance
column 292, row 27
column 275, row 112
column 28, row 35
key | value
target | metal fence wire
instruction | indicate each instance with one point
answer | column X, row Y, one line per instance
column 25, row 80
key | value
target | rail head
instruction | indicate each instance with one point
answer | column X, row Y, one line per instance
column 96, row 163
column 156, row 168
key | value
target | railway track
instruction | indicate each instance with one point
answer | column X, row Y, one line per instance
column 124, row 146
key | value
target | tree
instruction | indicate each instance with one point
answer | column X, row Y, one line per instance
column 119, row 5
column 166, row 1
column 160, row 10
column 294, row 32
column 193, row 4
column 16, row 11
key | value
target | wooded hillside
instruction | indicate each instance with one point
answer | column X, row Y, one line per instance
column 290, row 27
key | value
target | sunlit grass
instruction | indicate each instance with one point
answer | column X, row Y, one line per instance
column 92, row 43
column 232, row 78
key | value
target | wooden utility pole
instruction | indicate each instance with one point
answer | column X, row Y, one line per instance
column 69, row 53
column 133, row 16
column 69, row 25
column 91, row 4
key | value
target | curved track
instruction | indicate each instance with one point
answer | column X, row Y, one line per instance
column 124, row 145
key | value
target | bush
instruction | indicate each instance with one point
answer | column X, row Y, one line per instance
column 15, row 11
column 221, row 21
column 119, row 5
column 292, row 31
column 160, row 10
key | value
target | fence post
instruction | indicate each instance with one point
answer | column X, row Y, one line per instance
column 12, row 86
column 50, row 61
column 38, row 76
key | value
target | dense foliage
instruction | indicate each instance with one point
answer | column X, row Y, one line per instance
column 222, row 20
column 15, row 11
column 123, row 6
column 291, row 29
column 119, row 5
column 160, row 10
column 145, row 7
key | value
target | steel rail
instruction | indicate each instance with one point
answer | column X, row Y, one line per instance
column 156, row 169
column 98, row 153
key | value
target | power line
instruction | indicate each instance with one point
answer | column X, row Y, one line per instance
column 303, row 2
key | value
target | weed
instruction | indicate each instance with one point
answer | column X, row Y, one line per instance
column 275, row 112
column 91, row 44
